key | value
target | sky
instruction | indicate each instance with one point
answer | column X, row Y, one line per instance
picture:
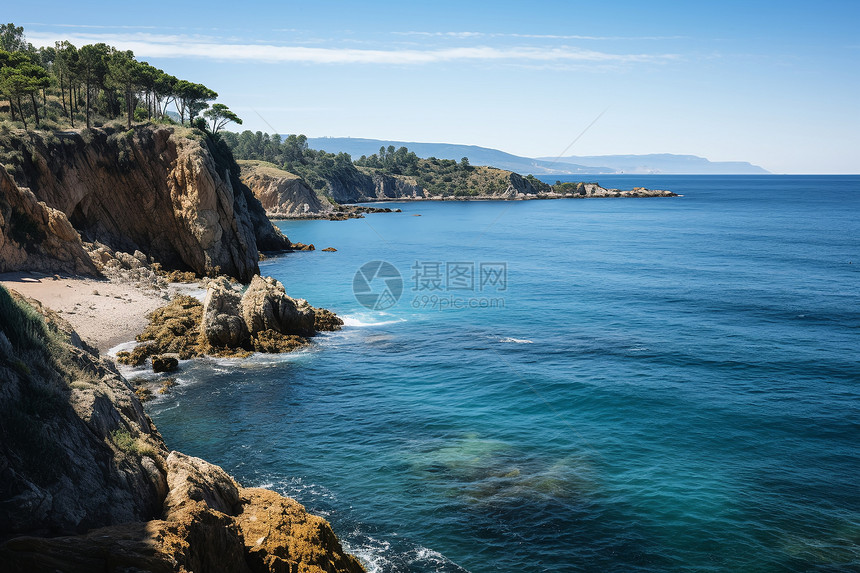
column 773, row 83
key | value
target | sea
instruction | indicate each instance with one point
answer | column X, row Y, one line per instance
column 607, row 385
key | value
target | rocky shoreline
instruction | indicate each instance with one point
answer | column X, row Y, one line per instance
column 97, row 489
column 286, row 196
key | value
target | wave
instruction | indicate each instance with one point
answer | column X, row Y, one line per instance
column 122, row 346
column 516, row 340
column 356, row 322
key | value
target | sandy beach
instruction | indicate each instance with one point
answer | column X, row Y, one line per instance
column 103, row 312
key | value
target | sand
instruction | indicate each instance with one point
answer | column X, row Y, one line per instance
column 103, row 312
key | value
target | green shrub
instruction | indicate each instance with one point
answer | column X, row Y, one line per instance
column 122, row 439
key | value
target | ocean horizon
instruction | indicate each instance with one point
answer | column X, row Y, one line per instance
column 658, row 384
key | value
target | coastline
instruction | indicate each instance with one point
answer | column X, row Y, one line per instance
column 641, row 194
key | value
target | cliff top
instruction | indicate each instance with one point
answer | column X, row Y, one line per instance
column 253, row 166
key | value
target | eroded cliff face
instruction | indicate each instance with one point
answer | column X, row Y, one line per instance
column 36, row 237
column 283, row 194
column 87, row 483
column 373, row 187
column 171, row 193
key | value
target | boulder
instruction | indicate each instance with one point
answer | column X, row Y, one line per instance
column 266, row 306
column 191, row 479
column 164, row 363
column 222, row 324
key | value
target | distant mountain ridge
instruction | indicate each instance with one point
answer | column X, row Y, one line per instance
column 664, row 163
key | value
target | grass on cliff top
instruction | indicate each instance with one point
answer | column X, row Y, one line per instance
column 265, row 168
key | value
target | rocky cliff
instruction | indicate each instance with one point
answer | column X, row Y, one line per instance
column 369, row 186
column 172, row 193
column 87, row 484
column 283, row 194
column 36, row 237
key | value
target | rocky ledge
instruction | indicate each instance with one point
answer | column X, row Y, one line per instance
column 230, row 323
column 89, row 485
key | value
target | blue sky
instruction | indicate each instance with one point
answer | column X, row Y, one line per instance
column 773, row 83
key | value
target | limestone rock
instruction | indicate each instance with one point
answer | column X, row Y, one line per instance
column 266, row 306
column 223, row 325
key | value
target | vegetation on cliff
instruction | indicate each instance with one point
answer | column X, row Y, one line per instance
column 444, row 177
column 292, row 154
column 399, row 174
column 67, row 86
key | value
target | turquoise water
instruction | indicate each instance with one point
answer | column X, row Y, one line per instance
column 657, row 384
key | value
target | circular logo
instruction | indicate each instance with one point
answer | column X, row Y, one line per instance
column 377, row 285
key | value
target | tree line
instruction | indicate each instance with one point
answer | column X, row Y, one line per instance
column 292, row 154
column 64, row 83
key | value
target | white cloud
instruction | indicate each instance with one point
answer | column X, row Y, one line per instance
column 532, row 36
column 179, row 46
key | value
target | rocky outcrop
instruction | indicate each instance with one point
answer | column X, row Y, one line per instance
column 581, row 190
column 394, row 187
column 88, row 484
column 263, row 319
column 171, row 193
column 283, row 194
column 35, row 237
column 222, row 321
column 266, row 306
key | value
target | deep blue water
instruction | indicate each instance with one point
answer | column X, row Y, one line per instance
column 656, row 384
